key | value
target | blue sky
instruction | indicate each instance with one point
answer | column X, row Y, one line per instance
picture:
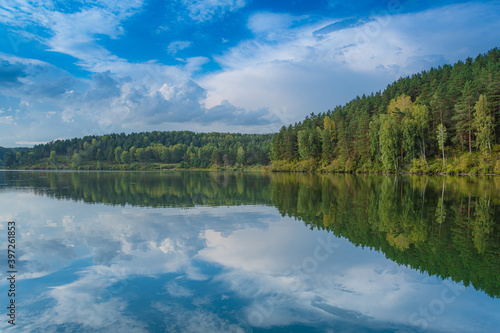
column 74, row 68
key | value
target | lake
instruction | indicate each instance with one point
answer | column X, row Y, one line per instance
column 249, row 252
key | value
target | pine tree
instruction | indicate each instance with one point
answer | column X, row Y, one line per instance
column 463, row 116
column 409, row 132
column 277, row 145
column 374, row 138
column 483, row 125
column 421, row 115
column 493, row 96
column 342, row 144
column 291, row 150
column 363, row 136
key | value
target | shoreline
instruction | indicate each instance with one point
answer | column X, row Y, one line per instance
column 264, row 169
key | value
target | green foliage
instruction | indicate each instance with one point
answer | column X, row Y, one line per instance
column 53, row 158
column 463, row 116
column 389, row 138
column 421, row 116
column 240, row 156
column 328, row 147
column 410, row 134
column 148, row 150
column 441, row 136
column 419, row 165
column 387, row 130
column 374, row 138
column 76, row 160
column 483, row 125
column 399, row 125
column 496, row 170
column 303, row 142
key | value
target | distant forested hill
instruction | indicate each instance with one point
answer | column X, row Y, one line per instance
column 12, row 151
column 442, row 120
column 147, row 150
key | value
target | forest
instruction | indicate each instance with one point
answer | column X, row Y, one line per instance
column 442, row 120
column 148, row 150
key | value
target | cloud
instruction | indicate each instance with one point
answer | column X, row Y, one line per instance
column 33, row 79
column 52, row 89
column 104, row 86
column 315, row 66
column 73, row 33
column 205, row 10
column 30, row 143
column 177, row 46
column 120, row 98
column 176, row 290
column 7, row 120
column 227, row 113
column 272, row 26
column 10, row 73
column 289, row 67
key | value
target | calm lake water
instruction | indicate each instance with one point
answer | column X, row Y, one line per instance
column 230, row 252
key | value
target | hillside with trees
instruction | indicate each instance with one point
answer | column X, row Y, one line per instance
column 442, row 120
column 150, row 150
column 11, row 152
column 446, row 119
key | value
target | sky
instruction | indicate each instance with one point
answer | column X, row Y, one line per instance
column 75, row 68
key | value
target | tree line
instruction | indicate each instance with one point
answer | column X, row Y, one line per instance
column 185, row 148
column 415, row 124
column 446, row 119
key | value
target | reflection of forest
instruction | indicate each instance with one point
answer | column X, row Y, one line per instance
column 446, row 226
column 148, row 189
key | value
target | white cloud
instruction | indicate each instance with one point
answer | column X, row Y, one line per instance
column 30, row 143
column 312, row 70
column 177, row 46
column 264, row 22
column 74, row 33
column 121, row 97
column 8, row 120
column 180, row 319
column 205, row 10
column 290, row 68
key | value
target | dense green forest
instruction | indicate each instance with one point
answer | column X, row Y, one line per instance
column 10, row 151
column 151, row 150
column 442, row 120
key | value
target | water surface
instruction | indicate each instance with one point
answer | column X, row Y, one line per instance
column 211, row 252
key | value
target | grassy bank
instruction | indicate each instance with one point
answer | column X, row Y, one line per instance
column 456, row 163
column 65, row 164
